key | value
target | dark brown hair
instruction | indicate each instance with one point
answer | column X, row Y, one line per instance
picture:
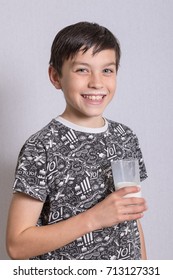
column 82, row 35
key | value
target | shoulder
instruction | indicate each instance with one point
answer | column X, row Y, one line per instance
column 44, row 133
column 40, row 139
column 119, row 128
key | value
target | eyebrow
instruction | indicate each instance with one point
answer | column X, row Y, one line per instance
column 87, row 64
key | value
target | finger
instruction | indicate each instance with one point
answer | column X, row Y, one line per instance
column 130, row 217
column 134, row 209
column 133, row 201
column 127, row 190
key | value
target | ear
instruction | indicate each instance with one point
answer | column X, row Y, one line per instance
column 54, row 77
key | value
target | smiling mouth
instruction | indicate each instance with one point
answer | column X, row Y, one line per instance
column 93, row 97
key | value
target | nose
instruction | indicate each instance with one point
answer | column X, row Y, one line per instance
column 95, row 81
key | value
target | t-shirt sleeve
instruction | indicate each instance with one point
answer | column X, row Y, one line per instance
column 138, row 154
column 30, row 174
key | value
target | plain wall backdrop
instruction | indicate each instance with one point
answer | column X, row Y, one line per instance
column 143, row 101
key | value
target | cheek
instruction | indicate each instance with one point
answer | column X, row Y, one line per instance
column 67, row 87
column 73, row 84
column 112, row 86
column 115, row 87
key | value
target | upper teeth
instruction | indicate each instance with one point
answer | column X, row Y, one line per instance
column 93, row 97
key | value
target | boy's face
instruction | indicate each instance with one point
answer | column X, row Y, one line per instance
column 88, row 83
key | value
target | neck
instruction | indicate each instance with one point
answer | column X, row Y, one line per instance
column 91, row 122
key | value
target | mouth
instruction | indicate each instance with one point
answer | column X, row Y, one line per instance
column 94, row 97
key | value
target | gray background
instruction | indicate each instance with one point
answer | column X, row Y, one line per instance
column 143, row 101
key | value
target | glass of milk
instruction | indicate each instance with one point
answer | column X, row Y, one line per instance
column 126, row 173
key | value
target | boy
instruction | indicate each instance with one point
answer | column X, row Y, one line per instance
column 64, row 205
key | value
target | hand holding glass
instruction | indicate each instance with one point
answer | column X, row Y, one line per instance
column 125, row 174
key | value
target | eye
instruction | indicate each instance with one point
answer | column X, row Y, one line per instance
column 82, row 70
column 108, row 71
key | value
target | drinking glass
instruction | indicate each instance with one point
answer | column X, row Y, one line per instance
column 126, row 173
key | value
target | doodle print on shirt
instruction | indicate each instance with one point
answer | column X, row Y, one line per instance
column 69, row 169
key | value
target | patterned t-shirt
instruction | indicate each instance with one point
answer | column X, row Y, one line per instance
column 68, row 167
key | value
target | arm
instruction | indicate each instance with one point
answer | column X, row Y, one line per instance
column 143, row 248
column 25, row 239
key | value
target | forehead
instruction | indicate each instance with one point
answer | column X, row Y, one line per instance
column 103, row 56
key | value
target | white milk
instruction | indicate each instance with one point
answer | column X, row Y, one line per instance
column 128, row 184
